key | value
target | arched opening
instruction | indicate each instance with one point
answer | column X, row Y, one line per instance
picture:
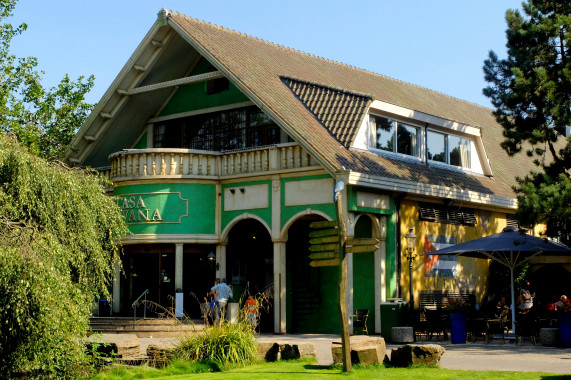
column 249, row 266
column 312, row 293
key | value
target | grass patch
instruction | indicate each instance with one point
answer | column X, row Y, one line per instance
column 305, row 369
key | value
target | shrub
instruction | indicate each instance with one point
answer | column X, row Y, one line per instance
column 228, row 344
column 58, row 245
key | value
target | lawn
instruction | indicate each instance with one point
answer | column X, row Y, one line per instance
column 302, row 369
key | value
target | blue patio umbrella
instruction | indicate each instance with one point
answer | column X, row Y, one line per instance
column 511, row 248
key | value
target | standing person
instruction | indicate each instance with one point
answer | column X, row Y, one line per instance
column 251, row 310
column 221, row 293
column 526, row 298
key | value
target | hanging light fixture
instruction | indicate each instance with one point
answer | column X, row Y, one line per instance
column 211, row 256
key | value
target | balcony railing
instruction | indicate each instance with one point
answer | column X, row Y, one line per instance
column 186, row 163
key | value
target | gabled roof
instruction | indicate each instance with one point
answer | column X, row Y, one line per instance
column 320, row 103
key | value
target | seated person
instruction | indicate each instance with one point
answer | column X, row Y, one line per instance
column 501, row 308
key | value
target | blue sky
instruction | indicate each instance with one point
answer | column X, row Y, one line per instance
column 439, row 44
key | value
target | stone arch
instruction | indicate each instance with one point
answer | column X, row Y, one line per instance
column 236, row 220
column 299, row 215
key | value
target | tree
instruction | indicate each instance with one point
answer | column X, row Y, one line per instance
column 59, row 236
column 44, row 120
column 531, row 93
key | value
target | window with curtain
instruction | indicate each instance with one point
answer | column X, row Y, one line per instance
column 459, row 148
column 392, row 136
column 449, row 149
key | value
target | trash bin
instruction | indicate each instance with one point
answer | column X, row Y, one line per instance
column 393, row 314
column 104, row 308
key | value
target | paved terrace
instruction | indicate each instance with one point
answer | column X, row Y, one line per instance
column 470, row 356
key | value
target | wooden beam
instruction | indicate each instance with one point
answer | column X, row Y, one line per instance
column 177, row 82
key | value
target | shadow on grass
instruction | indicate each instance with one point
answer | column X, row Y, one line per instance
column 317, row 367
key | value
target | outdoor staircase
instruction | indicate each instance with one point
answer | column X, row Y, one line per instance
column 145, row 327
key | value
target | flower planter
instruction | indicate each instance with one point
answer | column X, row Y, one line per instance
column 565, row 329
column 458, row 328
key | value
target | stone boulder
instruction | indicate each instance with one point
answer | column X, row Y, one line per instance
column 121, row 346
column 364, row 350
column 159, row 355
column 268, row 351
column 271, row 352
column 402, row 334
column 549, row 336
column 426, row 354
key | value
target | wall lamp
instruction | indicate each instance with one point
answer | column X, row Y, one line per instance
column 211, row 257
column 232, row 191
column 410, row 256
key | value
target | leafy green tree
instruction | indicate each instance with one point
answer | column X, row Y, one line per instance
column 59, row 236
column 44, row 120
column 531, row 93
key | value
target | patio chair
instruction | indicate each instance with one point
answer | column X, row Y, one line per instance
column 436, row 322
column 360, row 321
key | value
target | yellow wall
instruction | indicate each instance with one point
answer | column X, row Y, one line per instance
column 488, row 223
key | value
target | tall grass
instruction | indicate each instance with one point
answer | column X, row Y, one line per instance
column 228, row 344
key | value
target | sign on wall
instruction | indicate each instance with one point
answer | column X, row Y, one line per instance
column 153, row 208
column 439, row 266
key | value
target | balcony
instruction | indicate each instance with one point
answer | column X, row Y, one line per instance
column 163, row 163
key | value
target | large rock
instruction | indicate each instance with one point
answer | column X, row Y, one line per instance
column 125, row 346
column 402, row 334
column 549, row 336
column 159, row 355
column 364, row 350
column 271, row 352
column 289, row 352
column 426, row 354
column 268, row 351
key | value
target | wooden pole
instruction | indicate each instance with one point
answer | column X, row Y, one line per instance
column 345, row 341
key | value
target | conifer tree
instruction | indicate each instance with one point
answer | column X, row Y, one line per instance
column 531, row 93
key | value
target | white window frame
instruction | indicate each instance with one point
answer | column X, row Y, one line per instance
column 447, row 150
column 372, row 138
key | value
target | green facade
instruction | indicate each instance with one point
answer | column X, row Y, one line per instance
column 196, row 92
column 168, row 208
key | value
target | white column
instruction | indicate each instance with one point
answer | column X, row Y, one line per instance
column 221, row 260
column 117, row 288
column 380, row 258
column 279, row 255
column 349, row 291
column 178, row 267
column 279, row 287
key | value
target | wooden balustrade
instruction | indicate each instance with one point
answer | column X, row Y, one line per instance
column 179, row 163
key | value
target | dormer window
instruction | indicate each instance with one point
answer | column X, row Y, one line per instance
column 409, row 135
column 448, row 148
column 393, row 136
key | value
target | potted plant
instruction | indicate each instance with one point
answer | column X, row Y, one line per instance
column 458, row 311
column 564, row 309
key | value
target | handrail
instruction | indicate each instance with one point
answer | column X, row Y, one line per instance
column 135, row 308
